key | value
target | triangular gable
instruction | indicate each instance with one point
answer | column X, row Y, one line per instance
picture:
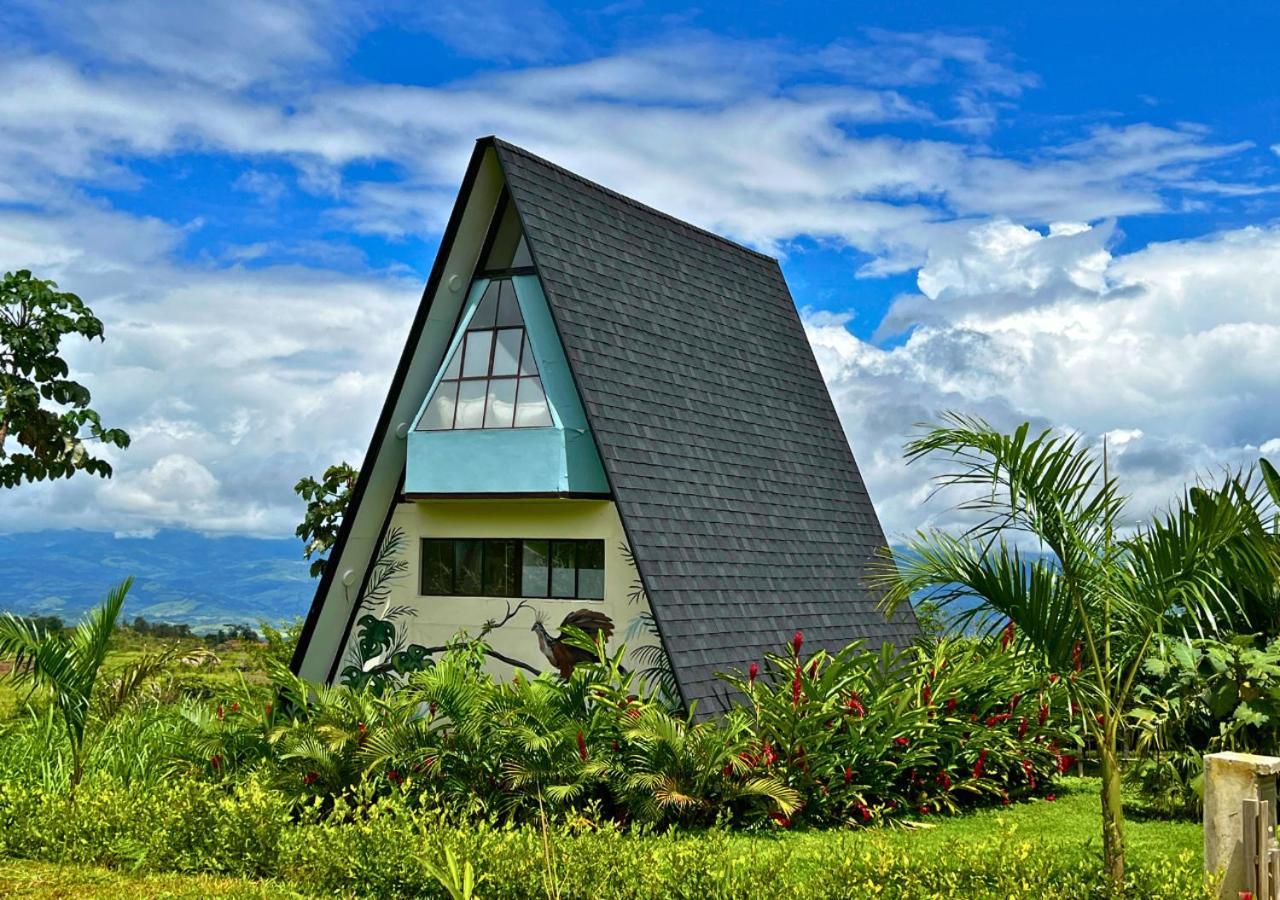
column 736, row 487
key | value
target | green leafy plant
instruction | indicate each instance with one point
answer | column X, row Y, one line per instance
column 67, row 666
column 1091, row 604
column 34, row 318
column 326, row 501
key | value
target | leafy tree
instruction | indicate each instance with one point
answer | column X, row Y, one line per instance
column 326, row 503
column 1089, row 602
column 67, row 664
column 34, row 317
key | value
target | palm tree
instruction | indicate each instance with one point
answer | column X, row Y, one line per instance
column 1046, row 562
column 67, row 665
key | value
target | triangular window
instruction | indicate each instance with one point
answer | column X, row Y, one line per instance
column 491, row 379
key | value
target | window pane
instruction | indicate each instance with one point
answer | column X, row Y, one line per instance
column 437, row 567
column 476, row 362
column 562, row 568
column 506, row 354
column 527, row 365
column 533, row 569
column 505, row 239
column 521, row 257
column 501, row 403
column 508, row 306
column 591, row 570
column 500, row 568
column 467, row 556
column 439, row 414
column 471, row 396
column 487, row 309
column 531, row 405
column 454, row 369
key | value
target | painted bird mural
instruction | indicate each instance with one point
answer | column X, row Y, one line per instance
column 559, row 652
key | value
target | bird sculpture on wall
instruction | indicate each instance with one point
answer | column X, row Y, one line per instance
column 559, row 652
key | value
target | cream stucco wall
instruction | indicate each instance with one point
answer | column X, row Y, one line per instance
column 437, row 619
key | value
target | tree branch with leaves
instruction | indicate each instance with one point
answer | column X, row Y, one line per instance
column 45, row 417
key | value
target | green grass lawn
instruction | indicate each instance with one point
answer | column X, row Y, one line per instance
column 1070, row 822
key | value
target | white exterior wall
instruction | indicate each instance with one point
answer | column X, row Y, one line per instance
column 436, row 620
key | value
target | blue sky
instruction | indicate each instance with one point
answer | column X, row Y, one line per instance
column 1062, row 215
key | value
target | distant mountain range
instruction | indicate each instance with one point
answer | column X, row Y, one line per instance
column 179, row 576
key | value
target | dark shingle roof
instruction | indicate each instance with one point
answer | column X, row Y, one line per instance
column 736, row 486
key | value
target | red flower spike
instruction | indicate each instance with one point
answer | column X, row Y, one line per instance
column 855, row 704
column 1006, row 636
column 1077, row 656
column 795, row 689
column 582, row 746
column 782, row 820
column 924, row 810
column 797, row 641
column 1050, row 797
column 235, row 707
column 813, row 669
column 1022, row 727
column 216, row 762
column 1053, row 679
column 980, row 765
column 944, row 780
column 927, row 694
column 221, row 713
column 1044, row 713
column 752, row 672
column 902, row 741
column 848, row 774
column 1014, row 701
column 310, row 778
column 951, row 705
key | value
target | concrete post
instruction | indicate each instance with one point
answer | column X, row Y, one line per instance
column 1229, row 780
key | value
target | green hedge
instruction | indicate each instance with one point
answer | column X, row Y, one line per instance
column 1029, row 850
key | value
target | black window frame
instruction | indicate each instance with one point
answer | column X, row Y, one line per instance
column 516, row 546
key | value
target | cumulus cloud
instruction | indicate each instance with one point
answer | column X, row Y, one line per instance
column 241, row 369
column 1169, row 352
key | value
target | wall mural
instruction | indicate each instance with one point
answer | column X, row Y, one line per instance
column 381, row 656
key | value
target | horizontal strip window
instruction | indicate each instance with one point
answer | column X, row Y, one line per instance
column 520, row 567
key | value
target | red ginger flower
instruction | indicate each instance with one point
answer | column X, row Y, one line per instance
column 1006, row 636
column 997, row 719
column 848, row 774
column 980, row 765
column 782, row 820
column 813, row 669
column 951, row 705
column 216, row 762
column 220, row 712
column 310, row 778
column 1022, row 727
column 795, row 688
column 1077, row 656
column 1044, row 713
column 944, row 780
column 752, row 671
column 1050, row 797
column 582, row 746
column 855, row 704
column 797, row 641
column 1014, row 701
column 927, row 695
column 902, row 741
column 863, row 811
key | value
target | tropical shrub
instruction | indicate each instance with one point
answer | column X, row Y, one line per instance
column 1197, row 697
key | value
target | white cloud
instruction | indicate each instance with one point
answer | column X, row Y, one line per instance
column 240, row 372
column 1169, row 352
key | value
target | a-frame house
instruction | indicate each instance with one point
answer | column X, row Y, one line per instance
column 607, row 416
